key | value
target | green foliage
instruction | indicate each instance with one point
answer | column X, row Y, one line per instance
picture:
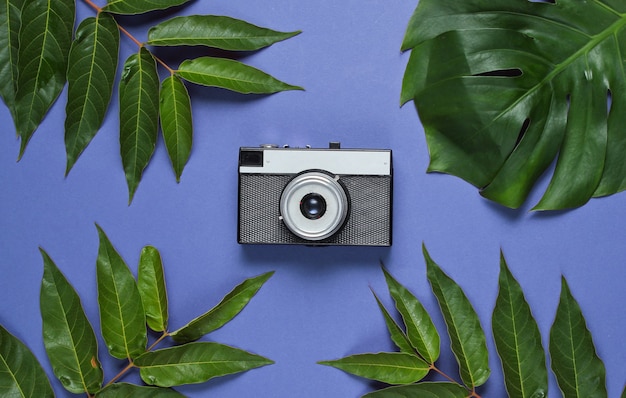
column 579, row 371
column 125, row 307
column 518, row 340
column 38, row 56
column 21, row 374
column 503, row 87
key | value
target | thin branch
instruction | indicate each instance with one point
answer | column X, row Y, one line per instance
column 131, row 37
column 164, row 335
column 121, row 373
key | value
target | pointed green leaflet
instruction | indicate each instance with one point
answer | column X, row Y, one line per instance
column 122, row 317
column 139, row 115
column 176, row 122
column 45, row 41
column 195, row 363
column 21, row 375
column 90, row 75
column 214, row 31
column 132, row 7
column 421, row 390
column 231, row 305
column 420, row 329
column 518, row 340
column 387, row 367
column 467, row 337
column 579, row 372
column 67, row 334
column 231, row 75
column 151, row 285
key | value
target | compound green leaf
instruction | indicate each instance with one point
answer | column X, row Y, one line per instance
column 624, row 393
column 579, row 372
column 467, row 337
column 122, row 317
column 231, row 75
column 176, row 122
column 139, row 115
column 45, row 38
column 195, row 363
column 67, row 335
column 504, row 87
column 398, row 336
column 214, row 31
column 132, row 7
column 420, row 329
column 10, row 21
column 421, row 390
column 151, row 285
column 90, row 75
column 518, row 340
column 125, row 390
column 387, row 367
column 222, row 313
column 21, row 375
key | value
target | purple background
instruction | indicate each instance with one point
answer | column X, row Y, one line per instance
column 318, row 305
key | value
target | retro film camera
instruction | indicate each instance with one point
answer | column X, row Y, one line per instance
column 311, row 196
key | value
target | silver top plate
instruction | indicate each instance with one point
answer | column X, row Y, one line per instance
column 336, row 161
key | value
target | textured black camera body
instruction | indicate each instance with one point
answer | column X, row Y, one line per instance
column 315, row 196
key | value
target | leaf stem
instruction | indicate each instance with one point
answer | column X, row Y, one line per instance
column 93, row 5
column 473, row 393
column 131, row 37
column 164, row 335
column 121, row 373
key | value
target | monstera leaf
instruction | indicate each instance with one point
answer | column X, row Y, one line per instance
column 503, row 87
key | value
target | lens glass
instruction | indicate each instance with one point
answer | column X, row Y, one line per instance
column 313, row 206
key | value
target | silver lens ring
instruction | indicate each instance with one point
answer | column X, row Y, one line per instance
column 336, row 210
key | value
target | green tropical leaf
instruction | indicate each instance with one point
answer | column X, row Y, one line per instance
column 579, row 372
column 45, row 38
column 122, row 317
column 10, row 21
column 125, row 390
column 504, row 86
column 176, row 122
column 388, row 367
column 467, row 337
column 624, row 393
column 420, row 329
column 231, row 75
column 151, row 285
column 195, row 363
column 90, row 75
column 67, row 335
column 21, row 375
column 139, row 115
column 518, row 340
column 222, row 313
column 398, row 336
column 132, row 7
column 421, row 390
column 214, row 31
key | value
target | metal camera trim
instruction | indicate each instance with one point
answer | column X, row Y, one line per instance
column 366, row 175
column 329, row 188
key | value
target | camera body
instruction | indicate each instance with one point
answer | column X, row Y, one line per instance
column 312, row 196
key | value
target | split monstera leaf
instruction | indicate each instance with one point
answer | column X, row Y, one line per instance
column 40, row 52
column 503, row 87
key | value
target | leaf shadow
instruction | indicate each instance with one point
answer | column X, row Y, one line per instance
column 152, row 17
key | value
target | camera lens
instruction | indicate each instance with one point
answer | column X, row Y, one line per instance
column 313, row 206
